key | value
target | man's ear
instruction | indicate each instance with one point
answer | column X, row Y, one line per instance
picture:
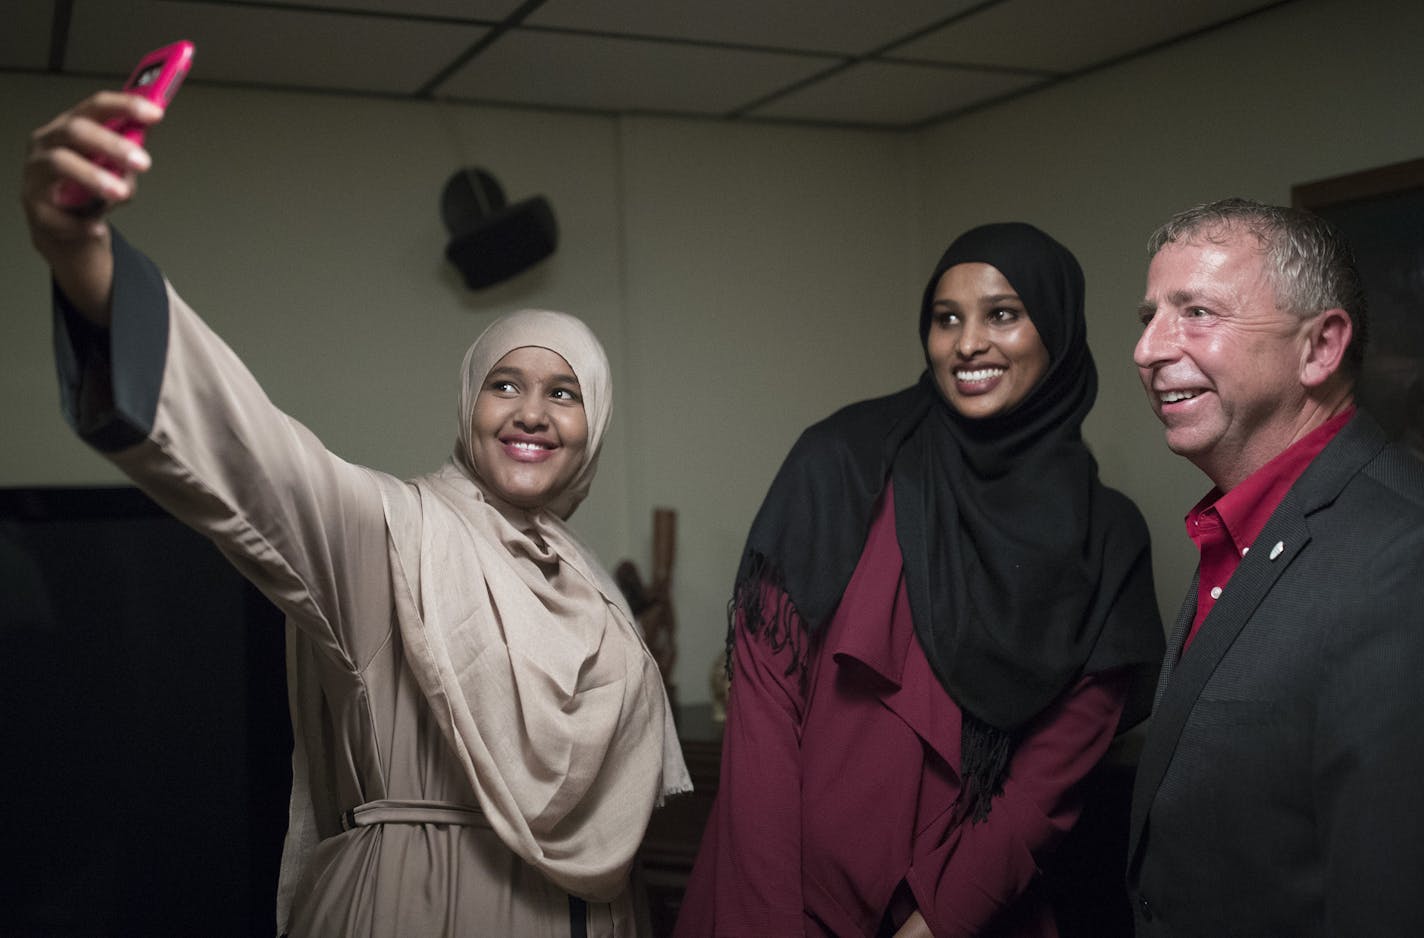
column 1328, row 336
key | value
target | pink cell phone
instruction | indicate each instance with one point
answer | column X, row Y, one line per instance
column 157, row 77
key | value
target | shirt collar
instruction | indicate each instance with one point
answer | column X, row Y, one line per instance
column 1245, row 509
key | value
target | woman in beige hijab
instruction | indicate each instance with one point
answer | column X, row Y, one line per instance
column 480, row 734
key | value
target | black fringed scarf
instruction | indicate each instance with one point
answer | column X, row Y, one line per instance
column 1023, row 570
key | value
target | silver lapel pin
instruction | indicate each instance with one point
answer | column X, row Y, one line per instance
column 1278, row 549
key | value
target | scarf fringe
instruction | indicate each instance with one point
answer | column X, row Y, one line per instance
column 985, row 750
column 984, row 763
column 783, row 629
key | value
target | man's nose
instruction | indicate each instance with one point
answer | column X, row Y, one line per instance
column 1156, row 342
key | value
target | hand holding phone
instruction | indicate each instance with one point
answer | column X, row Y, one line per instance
column 157, row 77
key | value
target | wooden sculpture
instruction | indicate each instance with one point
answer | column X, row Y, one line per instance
column 652, row 602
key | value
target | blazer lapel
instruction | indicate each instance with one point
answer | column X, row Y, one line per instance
column 1183, row 683
column 1284, row 537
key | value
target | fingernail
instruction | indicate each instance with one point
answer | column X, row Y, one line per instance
column 114, row 187
column 138, row 158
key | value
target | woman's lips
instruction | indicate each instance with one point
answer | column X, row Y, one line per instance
column 978, row 380
column 528, row 450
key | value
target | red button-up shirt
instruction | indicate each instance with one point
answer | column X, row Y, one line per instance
column 1225, row 526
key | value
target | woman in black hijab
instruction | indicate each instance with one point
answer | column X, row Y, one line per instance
column 940, row 620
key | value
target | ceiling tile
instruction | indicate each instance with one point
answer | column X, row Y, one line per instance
column 894, row 94
column 268, row 47
column 592, row 72
column 846, row 27
column 1067, row 35
column 883, row 64
column 25, row 40
column 447, row 9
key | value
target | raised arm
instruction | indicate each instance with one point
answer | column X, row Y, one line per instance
column 145, row 382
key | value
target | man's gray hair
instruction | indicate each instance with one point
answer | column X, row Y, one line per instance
column 1310, row 264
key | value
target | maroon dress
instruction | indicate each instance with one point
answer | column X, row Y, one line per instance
column 839, row 804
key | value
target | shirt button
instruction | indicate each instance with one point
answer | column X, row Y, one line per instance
column 1216, row 592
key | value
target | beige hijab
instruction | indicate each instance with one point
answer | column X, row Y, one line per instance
column 526, row 650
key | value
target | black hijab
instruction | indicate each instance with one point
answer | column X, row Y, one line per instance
column 1024, row 571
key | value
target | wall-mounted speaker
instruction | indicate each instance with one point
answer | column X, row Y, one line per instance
column 490, row 240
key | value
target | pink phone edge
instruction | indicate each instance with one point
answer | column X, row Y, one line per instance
column 178, row 58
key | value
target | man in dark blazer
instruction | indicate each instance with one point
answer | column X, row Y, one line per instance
column 1280, row 791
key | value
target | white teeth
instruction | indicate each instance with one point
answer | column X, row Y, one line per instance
column 980, row 374
column 529, row 446
column 1172, row 397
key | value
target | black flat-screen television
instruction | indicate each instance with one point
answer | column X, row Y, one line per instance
column 143, row 723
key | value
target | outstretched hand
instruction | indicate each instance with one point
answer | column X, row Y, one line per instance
column 67, row 192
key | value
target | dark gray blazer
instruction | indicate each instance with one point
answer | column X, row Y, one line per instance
column 1280, row 790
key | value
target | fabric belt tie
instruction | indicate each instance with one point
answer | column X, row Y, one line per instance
column 397, row 811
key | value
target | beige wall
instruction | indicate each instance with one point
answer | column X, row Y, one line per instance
column 1309, row 90
column 745, row 279
column 770, row 276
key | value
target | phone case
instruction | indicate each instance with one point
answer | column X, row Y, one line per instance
column 157, row 77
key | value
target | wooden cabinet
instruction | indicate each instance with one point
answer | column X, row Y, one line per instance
column 670, row 845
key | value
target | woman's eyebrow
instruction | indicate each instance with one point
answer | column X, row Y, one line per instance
column 511, row 371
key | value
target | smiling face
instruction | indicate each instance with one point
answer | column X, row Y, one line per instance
column 1221, row 362
column 529, row 432
column 983, row 348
